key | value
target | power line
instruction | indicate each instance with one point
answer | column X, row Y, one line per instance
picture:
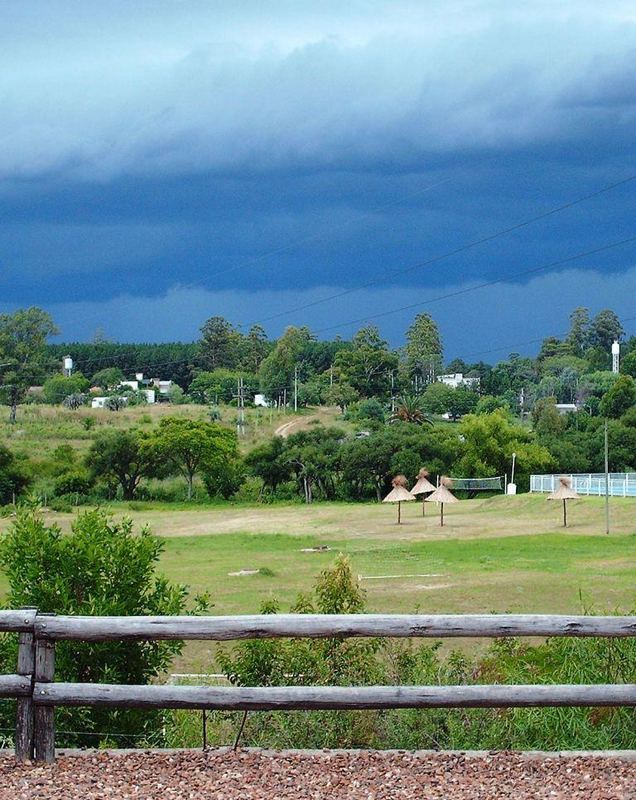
column 494, row 282
column 449, row 253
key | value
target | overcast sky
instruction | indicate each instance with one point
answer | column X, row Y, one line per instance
column 165, row 161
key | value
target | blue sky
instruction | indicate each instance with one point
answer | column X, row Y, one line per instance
column 162, row 162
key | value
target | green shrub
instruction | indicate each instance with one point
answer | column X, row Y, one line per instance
column 73, row 482
column 100, row 567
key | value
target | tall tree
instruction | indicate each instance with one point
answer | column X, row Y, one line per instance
column 277, row 370
column 219, row 344
column 578, row 336
column 254, row 349
column 368, row 364
column 423, row 349
column 23, row 336
column 605, row 328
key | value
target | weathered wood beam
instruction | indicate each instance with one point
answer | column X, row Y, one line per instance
column 264, row 626
column 20, row 620
column 15, row 685
column 44, row 716
column 332, row 697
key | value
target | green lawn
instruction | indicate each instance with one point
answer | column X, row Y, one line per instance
column 497, row 554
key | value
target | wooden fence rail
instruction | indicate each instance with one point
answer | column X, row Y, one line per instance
column 38, row 694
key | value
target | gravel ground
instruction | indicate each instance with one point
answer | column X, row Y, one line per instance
column 369, row 775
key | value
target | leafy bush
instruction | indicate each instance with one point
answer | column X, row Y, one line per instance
column 13, row 477
column 74, row 482
column 101, row 567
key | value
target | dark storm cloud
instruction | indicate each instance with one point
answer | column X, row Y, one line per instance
column 259, row 153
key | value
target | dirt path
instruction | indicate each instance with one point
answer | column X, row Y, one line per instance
column 353, row 775
column 287, row 428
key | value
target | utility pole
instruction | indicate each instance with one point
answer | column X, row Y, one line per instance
column 240, row 422
column 522, row 397
column 392, row 393
column 285, row 400
column 295, row 388
column 607, row 518
column 331, row 375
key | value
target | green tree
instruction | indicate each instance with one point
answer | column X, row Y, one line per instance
column 341, row 394
column 619, row 398
column 108, row 378
column 546, row 419
column 604, row 329
column 628, row 364
column 23, row 336
column 219, row 345
column 219, row 385
column 578, row 337
column 463, row 401
column 188, row 447
column 488, row 403
column 58, row 387
column 368, row 364
column 254, row 349
column 100, row 568
column 437, row 398
column 314, row 456
column 267, row 462
column 489, row 441
column 121, row 456
column 277, row 370
column 423, row 350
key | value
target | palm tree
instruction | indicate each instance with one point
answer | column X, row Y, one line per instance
column 409, row 409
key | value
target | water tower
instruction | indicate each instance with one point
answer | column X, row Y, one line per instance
column 616, row 351
column 67, row 366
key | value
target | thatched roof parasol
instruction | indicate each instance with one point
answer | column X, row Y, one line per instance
column 423, row 485
column 442, row 495
column 564, row 492
column 399, row 493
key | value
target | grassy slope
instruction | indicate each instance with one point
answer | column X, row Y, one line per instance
column 41, row 428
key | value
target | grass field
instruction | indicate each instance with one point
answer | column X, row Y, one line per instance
column 498, row 554
column 42, row 428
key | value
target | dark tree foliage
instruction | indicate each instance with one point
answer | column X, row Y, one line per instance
column 13, row 477
column 168, row 361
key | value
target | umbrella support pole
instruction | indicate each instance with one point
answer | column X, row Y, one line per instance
column 442, row 515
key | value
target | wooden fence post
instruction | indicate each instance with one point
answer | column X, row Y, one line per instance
column 44, row 716
column 24, row 712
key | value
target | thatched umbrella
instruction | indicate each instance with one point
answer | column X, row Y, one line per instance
column 442, row 495
column 564, row 492
column 423, row 486
column 398, row 494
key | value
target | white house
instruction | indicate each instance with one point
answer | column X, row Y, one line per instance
column 566, row 408
column 455, row 379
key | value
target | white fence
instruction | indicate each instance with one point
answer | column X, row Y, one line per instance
column 621, row 484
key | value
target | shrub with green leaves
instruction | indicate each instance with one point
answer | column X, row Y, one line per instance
column 101, row 567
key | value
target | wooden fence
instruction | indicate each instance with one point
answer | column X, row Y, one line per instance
column 38, row 694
